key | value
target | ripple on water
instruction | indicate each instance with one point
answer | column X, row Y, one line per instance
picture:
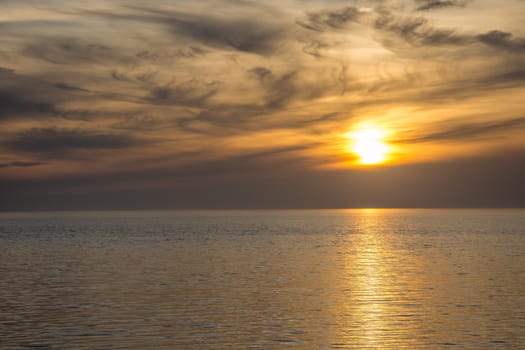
column 405, row 279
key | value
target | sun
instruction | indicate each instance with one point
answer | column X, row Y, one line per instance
column 367, row 142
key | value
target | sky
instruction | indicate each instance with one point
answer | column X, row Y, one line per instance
column 171, row 104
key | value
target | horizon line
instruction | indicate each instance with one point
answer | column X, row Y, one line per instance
column 249, row 209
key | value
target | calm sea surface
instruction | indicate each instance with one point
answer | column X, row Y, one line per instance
column 334, row 279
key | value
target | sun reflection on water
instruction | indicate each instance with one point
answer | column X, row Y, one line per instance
column 383, row 299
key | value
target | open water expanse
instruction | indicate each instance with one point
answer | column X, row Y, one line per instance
column 318, row 279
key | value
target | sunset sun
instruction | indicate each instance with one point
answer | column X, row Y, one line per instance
column 368, row 144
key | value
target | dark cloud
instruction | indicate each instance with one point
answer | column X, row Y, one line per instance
column 272, row 161
column 260, row 72
column 511, row 77
column 494, row 180
column 248, row 36
column 70, row 87
column 468, row 131
column 281, row 90
column 189, row 93
column 330, row 19
column 6, row 70
column 145, row 78
column 278, row 151
column 314, row 47
column 189, row 52
column 68, row 51
column 289, row 86
column 502, row 40
column 195, row 175
column 29, row 97
column 21, row 164
column 241, row 34
column 418, row 31
column 448, row 91
column 14, row 106
column 438, row 4
column 220, row 120
column 138, row 123
column 119, row 76
column 54, row 142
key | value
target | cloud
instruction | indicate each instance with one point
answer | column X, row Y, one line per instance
column 70, row 87
column 13, row 106
column 330, row 19
column 289, row 86
column 278, row 151
column 510, row 77
column 260, row 72
column 68, row 50
column 419, row 31
column 20, row 164
column 188, row 52
column 452, row 90
column 31, row 97
column 502, row 40
column 54, row 142
column 281, row 89
column 189, row 93
column 468, row 131
column 243, row 34
column 439, row 4
column 314, row 48
column 139, row 123
column 219, row 120
column 277, row 90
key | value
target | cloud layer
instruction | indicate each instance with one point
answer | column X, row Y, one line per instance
column 193, row 91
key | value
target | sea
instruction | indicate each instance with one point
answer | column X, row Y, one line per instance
column 282, row 279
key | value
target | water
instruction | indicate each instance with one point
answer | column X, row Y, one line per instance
column 335, row 279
